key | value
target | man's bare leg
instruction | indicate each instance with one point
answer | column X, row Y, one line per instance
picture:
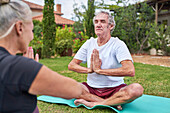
column 87, row 98
column 86, row 95
column 124, row 95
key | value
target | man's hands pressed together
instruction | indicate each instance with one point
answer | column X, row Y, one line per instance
column 96, row 62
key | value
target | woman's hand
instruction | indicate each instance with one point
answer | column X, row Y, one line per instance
column 30, row 54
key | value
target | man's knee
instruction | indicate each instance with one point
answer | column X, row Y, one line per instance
column 133, row 91
column 136, row 90
column 85, row 89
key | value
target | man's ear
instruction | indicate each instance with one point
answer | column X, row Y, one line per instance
column 111, row 26
column 19, row 28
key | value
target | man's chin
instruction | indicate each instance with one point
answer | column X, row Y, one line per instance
column 98, row 34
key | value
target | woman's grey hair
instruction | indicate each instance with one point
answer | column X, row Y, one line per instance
column 12, row 11
column 110, row 19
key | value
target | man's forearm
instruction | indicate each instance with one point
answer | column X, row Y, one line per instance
column 77, row 68
column 119, row 72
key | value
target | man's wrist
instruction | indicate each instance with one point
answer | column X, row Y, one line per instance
column 98, row 71
column 89, row 70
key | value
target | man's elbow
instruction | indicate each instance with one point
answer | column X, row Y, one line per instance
column 70, row 66
column 131, row 72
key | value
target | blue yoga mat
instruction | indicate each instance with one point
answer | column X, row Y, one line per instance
column 144, row 104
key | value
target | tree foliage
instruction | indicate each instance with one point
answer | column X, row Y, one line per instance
column 77, row 29
column 160, row 38
column 37, row 42
column 133, row 25
column 38, row 28
column 78, row 42
column 85, row 16
column 78, row 13
column 88, row 19
column 49, row 29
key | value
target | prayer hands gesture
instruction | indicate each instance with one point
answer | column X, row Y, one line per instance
column 95, row 62
column 30, row 54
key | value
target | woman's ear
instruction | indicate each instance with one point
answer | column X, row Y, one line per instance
column 19, row 28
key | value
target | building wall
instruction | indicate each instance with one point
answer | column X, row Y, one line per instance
column 36, row 13
column 163, row 17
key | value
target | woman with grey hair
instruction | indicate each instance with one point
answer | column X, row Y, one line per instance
column 21, row 78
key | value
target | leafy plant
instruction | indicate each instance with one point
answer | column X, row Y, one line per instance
column 63, row 45
column 78, row 42
column 78, row 28
column 160, row 38
column 63, row 40
column 37, row 45
column 38, row 28
column 64, row 33
column 37, row 42
column 133, row 25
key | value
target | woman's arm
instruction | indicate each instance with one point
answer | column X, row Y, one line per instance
column 48, row 82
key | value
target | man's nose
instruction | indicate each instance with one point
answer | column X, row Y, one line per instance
column 98, row 24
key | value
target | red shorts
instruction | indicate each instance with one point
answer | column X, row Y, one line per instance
column 104, row 92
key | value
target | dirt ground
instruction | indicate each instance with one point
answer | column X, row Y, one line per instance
column 154, row 60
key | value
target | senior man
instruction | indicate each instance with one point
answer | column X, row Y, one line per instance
column 108, row 62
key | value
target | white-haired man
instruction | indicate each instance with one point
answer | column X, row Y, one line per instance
column 109, row 61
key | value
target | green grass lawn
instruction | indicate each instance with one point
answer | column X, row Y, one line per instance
column 154, row 79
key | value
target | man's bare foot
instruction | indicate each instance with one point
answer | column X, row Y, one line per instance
column 86, row 103
column 119, row 107
column 92, row 104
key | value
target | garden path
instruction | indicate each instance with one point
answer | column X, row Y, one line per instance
column 154, row 60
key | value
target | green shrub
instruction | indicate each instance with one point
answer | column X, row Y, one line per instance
column 37, row 44
column 133, row 25
column 62, row 45
column 160, row 38
column 168, row 51
column 64, row 39
column 38, row 28
column 78, row 28
column 64, row 33
column 78, row 42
